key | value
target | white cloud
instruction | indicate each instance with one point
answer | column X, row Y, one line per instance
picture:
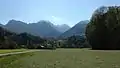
column 58, row 20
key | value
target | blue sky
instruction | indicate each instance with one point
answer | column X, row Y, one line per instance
column 57, row 11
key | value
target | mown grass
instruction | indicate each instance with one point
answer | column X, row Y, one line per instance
column 12, row 61
column 65, row 58
column 11, row 50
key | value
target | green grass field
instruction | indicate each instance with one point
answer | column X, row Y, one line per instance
column 63, row 58
column 11, row 50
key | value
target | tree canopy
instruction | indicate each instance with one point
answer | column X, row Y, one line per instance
column 103, row 30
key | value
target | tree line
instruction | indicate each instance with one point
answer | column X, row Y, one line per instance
column 11, row 40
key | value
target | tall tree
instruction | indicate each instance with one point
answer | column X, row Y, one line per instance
column 104, row 28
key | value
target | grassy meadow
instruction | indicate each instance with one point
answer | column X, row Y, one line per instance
column 2, row 51
column 63, row 58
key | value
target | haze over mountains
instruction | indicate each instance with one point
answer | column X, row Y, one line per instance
column 41, row 28
column 62, row 28
column 78, row 29
column 45, row 28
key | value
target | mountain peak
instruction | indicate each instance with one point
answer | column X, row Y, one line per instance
column 84, row 22
column 78, row 29
column 15, row 22
column 65, row 25
column 62, row 28
column 45, row 22
column 11, row 21
column 42, row 28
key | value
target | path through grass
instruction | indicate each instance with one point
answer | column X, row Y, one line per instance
column 64, row 58
column 2, row 51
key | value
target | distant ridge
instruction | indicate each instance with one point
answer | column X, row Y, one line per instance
column 78, row 29
column 42, row 28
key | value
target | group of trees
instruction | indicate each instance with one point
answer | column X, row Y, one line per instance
column 5, row 41
column 10, row 40
column 73, row 42
column 103, row 31
column 28, row 40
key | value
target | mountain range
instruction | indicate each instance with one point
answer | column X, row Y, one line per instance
column 45, row 28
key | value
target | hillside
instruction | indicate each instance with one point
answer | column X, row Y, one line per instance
column 78, row 29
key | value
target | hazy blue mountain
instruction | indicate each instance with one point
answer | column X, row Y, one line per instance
column 78, row 29
column 17, row 26
column 1, row 25
column 62, row 28
column 42, row 28
column 46, row 29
